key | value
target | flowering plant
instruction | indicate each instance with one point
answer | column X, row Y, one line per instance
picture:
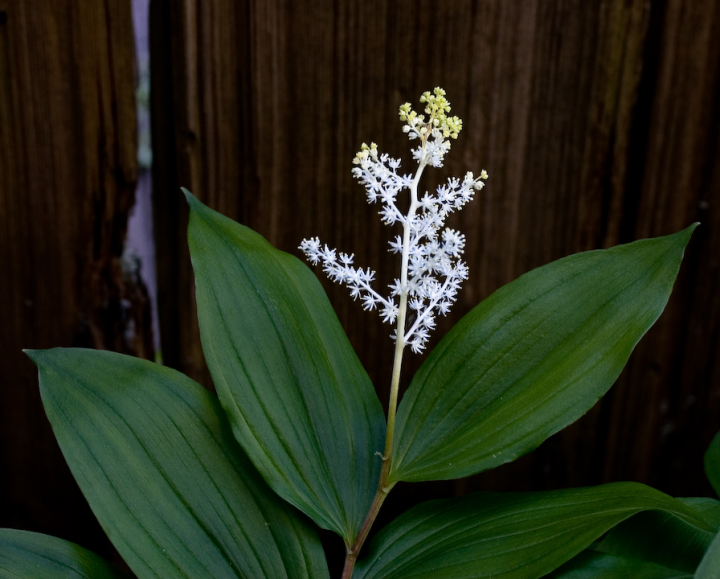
column 189, row 485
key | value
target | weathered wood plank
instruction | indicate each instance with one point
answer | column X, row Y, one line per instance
column 666, row 408
column 67, row 181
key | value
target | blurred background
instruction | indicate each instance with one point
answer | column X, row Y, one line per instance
column 598, row 122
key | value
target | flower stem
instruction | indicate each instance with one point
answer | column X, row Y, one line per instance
column 353, row 552
column 383, row 487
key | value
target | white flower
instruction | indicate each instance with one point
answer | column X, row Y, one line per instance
column 431, row 253
column 389, row 312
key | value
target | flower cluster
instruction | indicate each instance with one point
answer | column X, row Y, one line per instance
column 433, row 131
column 431, row 271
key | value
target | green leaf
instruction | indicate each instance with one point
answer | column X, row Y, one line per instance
column 709, row 567
column 25, row 555
column 531, row 359
column 712, row 463
column 155, row 457
column 506, row 535
column 298, row 399
column 594, row 565
column 664, row 539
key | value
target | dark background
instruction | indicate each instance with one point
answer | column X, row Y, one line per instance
column 598, row 122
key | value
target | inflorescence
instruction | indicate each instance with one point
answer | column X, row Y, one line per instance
column 432, row 270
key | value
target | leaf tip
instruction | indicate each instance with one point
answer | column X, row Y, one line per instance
column 197, row 207
column 191, row 199
column 35, row 355
column 686, row 233
column 682, row 237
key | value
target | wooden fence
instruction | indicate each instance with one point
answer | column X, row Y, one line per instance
column 597, row 121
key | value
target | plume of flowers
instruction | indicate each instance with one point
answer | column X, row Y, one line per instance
column 432, row 269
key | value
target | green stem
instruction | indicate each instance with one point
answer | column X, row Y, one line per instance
column 383, row 488
column 379, row 499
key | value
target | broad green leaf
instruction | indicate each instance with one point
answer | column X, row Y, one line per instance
column 595, row 565
column 505, row 535
column 155, row 457
column 664, row 539
column 712, row 463
column 531, row 359
column 298, row 399
column 25, row 555
column 709, row 567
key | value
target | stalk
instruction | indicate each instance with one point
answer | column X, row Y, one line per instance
column 383, row 488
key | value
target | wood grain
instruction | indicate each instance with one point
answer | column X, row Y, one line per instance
column 67, row 181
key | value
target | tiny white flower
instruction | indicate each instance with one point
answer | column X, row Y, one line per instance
column 369, row 302
column 396, row 246
column 389, row 312
column 396, row 287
